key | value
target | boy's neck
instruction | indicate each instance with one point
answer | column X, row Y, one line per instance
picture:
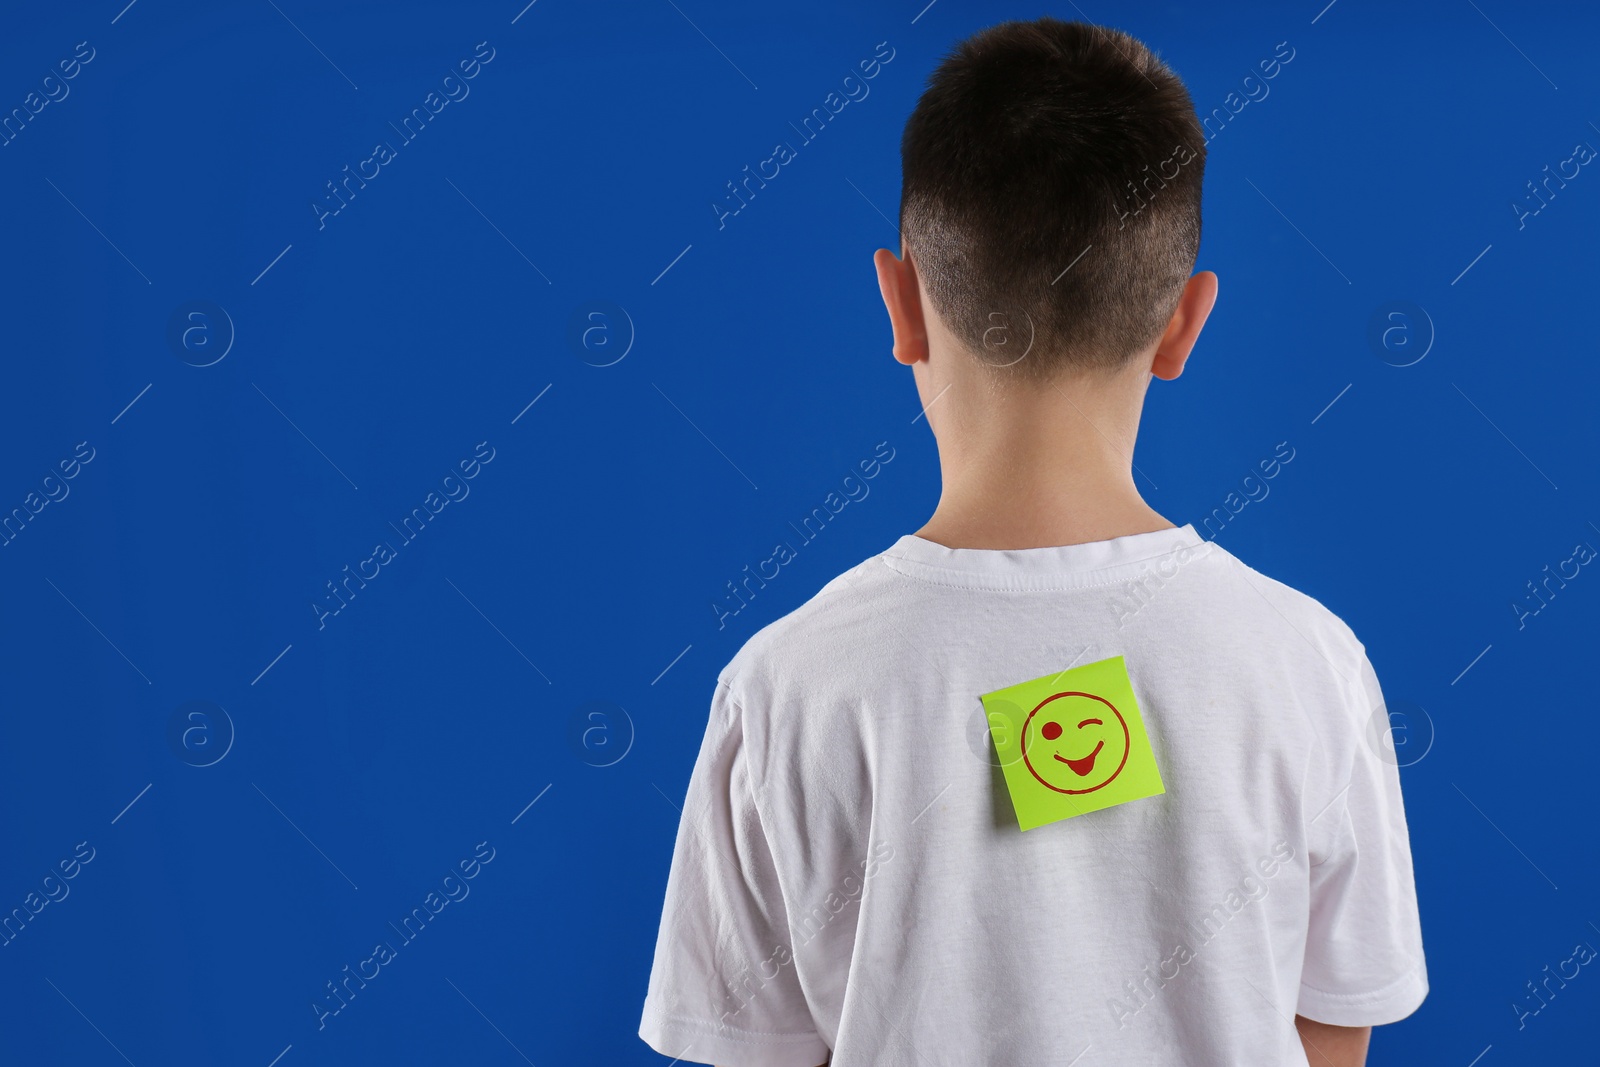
column 1039, row 467
column 1056, row 514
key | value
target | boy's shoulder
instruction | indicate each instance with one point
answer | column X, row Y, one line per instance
column 1309, row 646
column 1309, row 617
column 836, row 625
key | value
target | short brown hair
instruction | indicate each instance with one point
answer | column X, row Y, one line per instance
column 1051, row 192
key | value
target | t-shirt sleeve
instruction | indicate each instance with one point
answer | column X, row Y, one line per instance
column 1364, row 964
column 723, row 987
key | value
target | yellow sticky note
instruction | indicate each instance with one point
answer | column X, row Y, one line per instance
column 1072, row 742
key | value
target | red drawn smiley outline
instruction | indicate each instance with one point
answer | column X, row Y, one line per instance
column 1127, row 746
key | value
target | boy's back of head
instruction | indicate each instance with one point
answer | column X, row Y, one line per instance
column 1051, row 175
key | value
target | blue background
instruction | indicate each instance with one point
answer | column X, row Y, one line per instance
column 370, row 355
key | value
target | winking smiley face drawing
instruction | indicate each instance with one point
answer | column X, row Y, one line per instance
column 1083, row 747
column 1075, row 742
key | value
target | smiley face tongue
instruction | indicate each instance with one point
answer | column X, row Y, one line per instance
column 1082, row 767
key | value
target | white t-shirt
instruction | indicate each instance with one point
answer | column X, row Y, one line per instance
column 849, row 875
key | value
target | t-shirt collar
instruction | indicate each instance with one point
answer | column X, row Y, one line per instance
column 1055, row 567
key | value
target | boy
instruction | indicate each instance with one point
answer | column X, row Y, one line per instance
column 1052, row 780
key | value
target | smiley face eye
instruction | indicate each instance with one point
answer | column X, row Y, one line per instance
column 1051, row 731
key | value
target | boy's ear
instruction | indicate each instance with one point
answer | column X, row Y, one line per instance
column 902, row 298
column 1199, row 297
